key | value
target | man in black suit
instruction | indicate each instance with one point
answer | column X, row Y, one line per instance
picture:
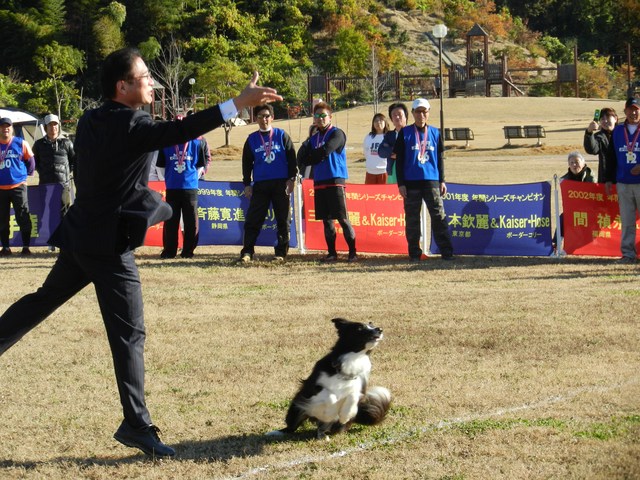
column 109, row 219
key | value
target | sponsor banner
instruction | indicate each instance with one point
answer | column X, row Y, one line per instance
column 221, row 212
column 376, row 213
column 591, row 220
column 506, row 220
column 45, row 202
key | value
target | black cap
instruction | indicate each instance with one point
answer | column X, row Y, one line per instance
column 632, row 102
column 6, row 120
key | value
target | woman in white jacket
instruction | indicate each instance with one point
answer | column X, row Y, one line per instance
column 376, row 166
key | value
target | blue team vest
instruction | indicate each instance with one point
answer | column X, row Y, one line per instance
column 335, row 166
column 623, row 172
column 274, row 167
column 188, row 178
column 414, row 168
column 13, row 170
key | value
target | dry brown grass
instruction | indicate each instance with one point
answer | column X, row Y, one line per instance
column 500, row 367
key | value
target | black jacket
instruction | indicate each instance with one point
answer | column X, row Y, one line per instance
column 597, row 144
column 55, row 160
column 114, row 205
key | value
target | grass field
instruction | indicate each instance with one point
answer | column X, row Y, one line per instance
column 500, row 367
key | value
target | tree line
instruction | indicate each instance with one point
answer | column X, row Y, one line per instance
column 206, row 48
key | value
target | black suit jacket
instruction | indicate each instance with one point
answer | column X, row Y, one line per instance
column 114, row 206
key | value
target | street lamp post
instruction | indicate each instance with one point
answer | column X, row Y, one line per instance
column 192, row 82
column 439, row 32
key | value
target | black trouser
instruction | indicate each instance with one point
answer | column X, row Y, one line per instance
column 430, row 193
column 185, row 203
column 330, row 235
column 265, row 193
column 117, row 285
column 18, row 197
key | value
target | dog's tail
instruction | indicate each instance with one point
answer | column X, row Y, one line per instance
column 373, row 406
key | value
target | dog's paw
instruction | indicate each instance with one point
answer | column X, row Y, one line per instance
column 275, row 433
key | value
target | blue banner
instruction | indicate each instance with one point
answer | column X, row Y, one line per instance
column 221, row 210
column 508, row 220
column 45, row 202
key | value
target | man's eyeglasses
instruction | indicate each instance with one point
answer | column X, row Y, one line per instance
column 263, row 115
column 421, row 112
column 320, row 115
column 140, row 77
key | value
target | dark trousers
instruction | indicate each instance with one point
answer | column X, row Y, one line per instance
column 185, row 203
column 430, row 193
column 18, row 197
column 330, row 235
column 265, row 193
column 117, row 285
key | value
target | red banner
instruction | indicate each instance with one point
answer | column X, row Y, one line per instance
column 591, row 220
column 376, row 213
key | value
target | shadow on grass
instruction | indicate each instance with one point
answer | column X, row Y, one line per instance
column 214, row 450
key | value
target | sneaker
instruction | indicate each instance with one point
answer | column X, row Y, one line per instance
column 145, row 438
column 25, row 251
column 277, row 259
column 166, row 255
column 353, row 258
column 626, row 260
column 448, row 257
column 5, row 252
column 52, row 249
column 330, row 258
column 245, row 258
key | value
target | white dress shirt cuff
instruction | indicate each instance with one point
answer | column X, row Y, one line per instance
column 228, row 110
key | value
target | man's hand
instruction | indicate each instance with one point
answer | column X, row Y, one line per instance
column 253, row 95
column 289, row 188
column 403, row 191
column 248, row 191
column 443, row 189
column 635, row 170
column 608, row 186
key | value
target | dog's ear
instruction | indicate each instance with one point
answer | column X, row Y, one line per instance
column 340, row 322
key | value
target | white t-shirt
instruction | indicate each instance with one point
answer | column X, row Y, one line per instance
column 374, row 164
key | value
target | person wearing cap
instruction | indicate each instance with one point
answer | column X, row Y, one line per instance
column 623, row 168
column 598, row 135
column 113, row 209
column 16, row 164
column 419, row 153
column 182, row 166
column 55, row 159
column 269, row 157
column 325, row 150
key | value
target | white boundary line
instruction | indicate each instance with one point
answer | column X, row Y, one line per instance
column 441, row 425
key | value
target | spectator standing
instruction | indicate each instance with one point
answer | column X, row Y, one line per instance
column 182, row 166
column 376, row 165
column 16, row 163
column 420, row 169
column 398, row 114
column 270, row 158
column 55, row 159
column 597, row 137
column 623, row 168
column 325, row 150
column 109, row 219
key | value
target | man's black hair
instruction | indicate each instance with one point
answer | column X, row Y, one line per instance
column 117, row 66
column 393, row 106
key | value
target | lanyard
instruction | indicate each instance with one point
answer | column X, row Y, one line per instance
column 422, row 144
column 182, row 156
column 267, row 147
column 3, row 153
column 320, row 141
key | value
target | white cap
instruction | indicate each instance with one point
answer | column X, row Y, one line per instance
column 420, row 103
column 51, row 118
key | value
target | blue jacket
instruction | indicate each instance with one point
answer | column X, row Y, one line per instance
column 13, row 168
column 410, row 168
column 277, row 166
column 182, row 175
column 618, row 168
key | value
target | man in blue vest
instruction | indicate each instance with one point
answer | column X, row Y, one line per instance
column 623, row 168
column 420, row 171
column 325, row 150
column 182, row 166
column 16, row 163
column 269, row 157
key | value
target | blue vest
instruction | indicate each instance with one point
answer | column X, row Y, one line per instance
column 624, row 165
column 13, row 170
column 274, row 167
column 185, row 176
column 416, row 169
column 335, row 166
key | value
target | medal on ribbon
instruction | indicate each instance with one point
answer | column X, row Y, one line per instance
column 631, row 156
column 180, row 166
column 422, row 145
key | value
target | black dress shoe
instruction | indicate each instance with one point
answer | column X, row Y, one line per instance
column 5, row 252
column 145, row 438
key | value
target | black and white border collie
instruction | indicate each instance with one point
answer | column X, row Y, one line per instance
column 335, row 395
